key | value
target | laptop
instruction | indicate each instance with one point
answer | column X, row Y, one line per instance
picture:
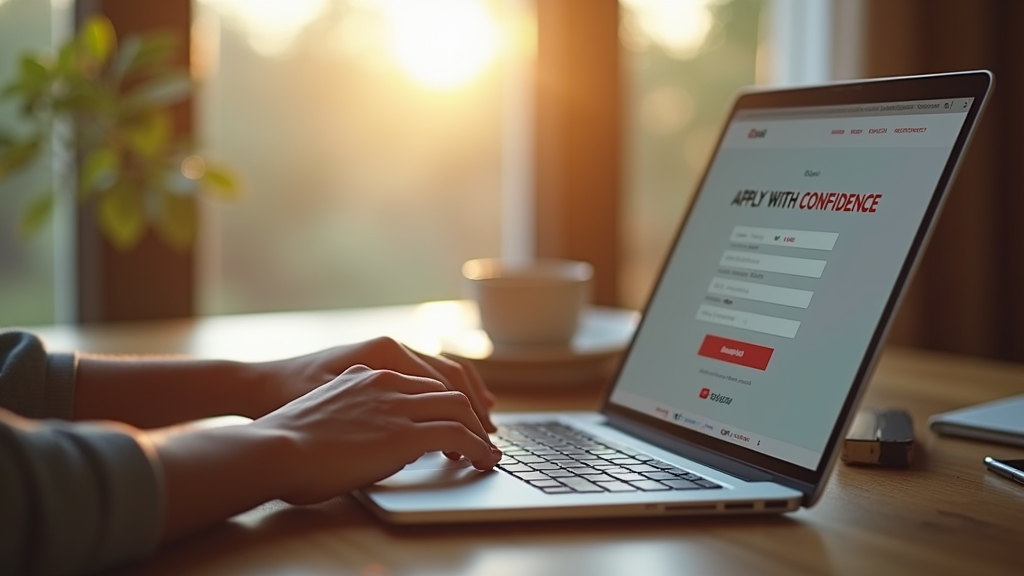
column 762, row 330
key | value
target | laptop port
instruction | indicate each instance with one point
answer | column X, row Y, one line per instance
column 676, row 507
column 739, row 505
column 775, row 504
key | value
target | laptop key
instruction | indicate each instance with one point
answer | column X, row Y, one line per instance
column 629, row 477
column 559, row 473
column 531, row 476
column 575, row 465
column 616, row 486
column 641, row 468
column 581, row 485
column 624, row 461
column 526, row 459
column 545, row 483
column 680, row 484
column 558, row 490
column 660, row 475
column 661, row 465
column 513, row 468
column 706, row 484
column 649, row 485
column 598, row 477
column 617, row 470
column 545, row 466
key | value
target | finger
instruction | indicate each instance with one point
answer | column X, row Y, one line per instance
column 456, row 438
column 452, row 406
column 400, row 358
column 474, row 377
column 465, row 379
column 398, row 382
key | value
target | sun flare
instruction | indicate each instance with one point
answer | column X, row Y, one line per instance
column 443, row 44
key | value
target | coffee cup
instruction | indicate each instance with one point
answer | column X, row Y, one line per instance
column 529, row 303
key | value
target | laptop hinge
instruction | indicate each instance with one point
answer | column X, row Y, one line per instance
column 706, row 457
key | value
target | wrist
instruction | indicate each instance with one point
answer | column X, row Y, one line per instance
column 212, row 474
column 256, row 384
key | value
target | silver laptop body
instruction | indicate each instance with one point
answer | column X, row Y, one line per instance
column 763, row 329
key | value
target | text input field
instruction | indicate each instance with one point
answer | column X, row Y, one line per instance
column 761, row 292
column 771, row 263
column 748, row 321
column 787, row 238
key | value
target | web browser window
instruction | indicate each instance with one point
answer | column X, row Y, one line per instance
column 775, row 289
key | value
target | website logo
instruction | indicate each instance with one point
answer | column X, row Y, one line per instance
column 707, row 394
column 755, row 133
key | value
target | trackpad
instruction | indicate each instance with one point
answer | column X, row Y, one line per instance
column 437, row 461
column 431, row 471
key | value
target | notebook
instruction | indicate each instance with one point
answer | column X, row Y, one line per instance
column 999, row 421
column 761, row 332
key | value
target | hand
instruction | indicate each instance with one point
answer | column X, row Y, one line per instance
column 286, row 380
column 365, row 425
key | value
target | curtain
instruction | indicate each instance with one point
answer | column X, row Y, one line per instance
column 968, row 294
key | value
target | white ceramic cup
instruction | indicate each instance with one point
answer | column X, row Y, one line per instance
column 530, row 303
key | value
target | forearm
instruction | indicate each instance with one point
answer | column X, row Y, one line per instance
column 151, row 393
column 213, row 474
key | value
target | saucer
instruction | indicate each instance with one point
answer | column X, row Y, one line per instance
column 590, row 357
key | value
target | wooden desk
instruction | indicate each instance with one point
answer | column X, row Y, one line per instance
column 945, row 515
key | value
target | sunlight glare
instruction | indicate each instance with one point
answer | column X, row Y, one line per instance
column 442, row 44
column 271, row 26
column 679, row 27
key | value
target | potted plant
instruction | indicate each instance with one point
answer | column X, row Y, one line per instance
column 109, row 102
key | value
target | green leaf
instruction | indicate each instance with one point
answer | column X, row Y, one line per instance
column 100, row 171
column 17, row 155
column 150, row 136
column 98, row 39
column 36, row 214
column 120, row 214
column 178, row 221
column 67, row 59
column 126, row 56
column 33, row 74
column 162, row 91
column 220, row 182
column 144, row 55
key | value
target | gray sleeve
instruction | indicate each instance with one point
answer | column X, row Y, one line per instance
column 74, row 498
column 34, row 383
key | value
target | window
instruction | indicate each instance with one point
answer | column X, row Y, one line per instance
column 26, row 265
column 368, row 137
column 684, row 62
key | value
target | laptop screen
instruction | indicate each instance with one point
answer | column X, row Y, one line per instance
column 775, row 289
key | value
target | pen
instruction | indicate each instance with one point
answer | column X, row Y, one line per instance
column 1011, row 469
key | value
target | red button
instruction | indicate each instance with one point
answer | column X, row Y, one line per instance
column 736, row 352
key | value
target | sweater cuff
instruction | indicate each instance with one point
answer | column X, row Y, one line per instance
column 60, row 385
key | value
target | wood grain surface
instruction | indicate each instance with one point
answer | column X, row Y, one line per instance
column 944, row 515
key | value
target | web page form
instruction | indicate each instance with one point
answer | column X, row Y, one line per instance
column 793, row 247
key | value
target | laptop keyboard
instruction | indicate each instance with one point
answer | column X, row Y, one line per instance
column 558, row 459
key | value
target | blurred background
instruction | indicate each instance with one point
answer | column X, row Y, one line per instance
column 381, row 143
